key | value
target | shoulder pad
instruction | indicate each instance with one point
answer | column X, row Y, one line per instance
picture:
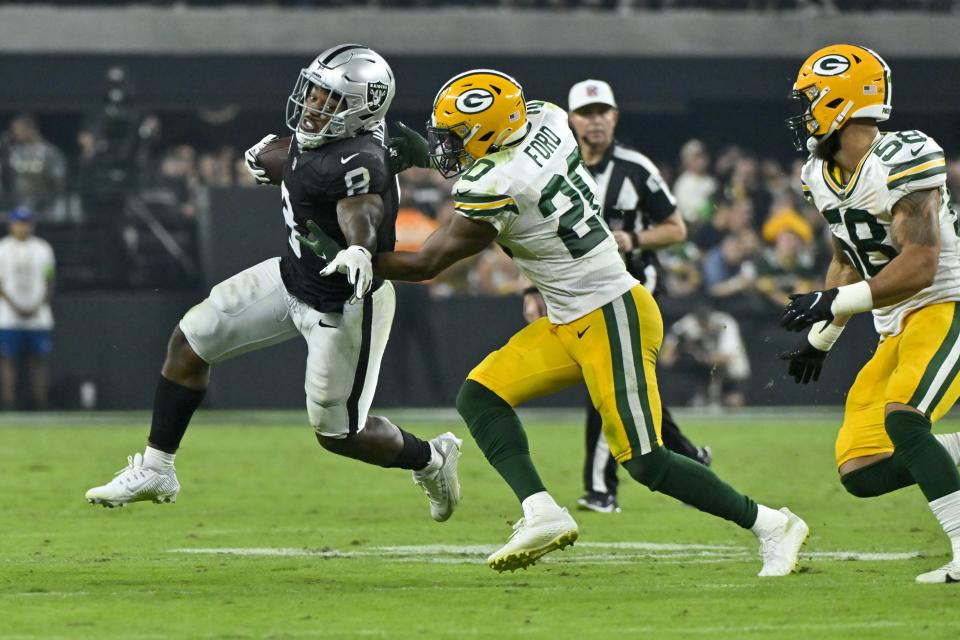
column 911, row 157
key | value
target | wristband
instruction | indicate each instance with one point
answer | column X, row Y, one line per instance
column 852, row 298
column 823, row 334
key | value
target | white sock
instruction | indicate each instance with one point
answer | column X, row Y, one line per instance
column 158, row 460
column 538, row 504
column 767, row 520
column 947, row 511
column 950, row 442
column 436, row 461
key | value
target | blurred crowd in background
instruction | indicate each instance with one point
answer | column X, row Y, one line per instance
column 752, row 238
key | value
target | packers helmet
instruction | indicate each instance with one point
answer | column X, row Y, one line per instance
column 835, row 84
column 475, row 113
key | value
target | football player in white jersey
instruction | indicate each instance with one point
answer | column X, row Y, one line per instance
column 523, row 185
column 895, row 253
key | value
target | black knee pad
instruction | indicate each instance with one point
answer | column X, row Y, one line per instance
column 650, row 468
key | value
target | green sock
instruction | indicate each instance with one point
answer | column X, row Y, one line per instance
column 691, row 482
column 878, row 478
column 497, row 430
column 926, row 459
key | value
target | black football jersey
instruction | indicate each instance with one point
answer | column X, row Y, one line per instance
column 635, row 197
column 314, row 180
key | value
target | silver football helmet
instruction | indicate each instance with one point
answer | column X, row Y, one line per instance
column 359, row 86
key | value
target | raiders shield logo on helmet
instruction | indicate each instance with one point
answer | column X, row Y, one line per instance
column 376, row 94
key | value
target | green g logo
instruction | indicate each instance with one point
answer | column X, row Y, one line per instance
column 474, row 101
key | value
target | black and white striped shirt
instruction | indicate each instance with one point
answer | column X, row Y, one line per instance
column 635, row 197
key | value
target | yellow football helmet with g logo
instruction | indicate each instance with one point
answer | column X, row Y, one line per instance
column 835, row 84
column 474, row 114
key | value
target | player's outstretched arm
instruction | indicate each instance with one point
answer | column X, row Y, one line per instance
column 460, row 238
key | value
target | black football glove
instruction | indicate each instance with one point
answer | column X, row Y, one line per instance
column 806, row 309
column 409, row 149
column 805, row 360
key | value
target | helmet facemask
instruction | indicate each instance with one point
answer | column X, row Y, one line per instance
column 446, row 148
column 335, row 110
column 803, row 126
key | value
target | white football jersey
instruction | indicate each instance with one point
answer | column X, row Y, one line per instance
column 543, row 203
column 860, row 213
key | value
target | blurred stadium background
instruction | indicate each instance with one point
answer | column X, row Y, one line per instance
column 123, row 127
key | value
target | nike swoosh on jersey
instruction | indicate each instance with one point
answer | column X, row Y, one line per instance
column 580, row 333
column 816, row 299
column 348, row 158
column 914, row 152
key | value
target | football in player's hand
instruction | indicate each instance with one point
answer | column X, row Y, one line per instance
column 272, row 158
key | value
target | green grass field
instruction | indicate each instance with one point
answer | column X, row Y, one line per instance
column 272, row 537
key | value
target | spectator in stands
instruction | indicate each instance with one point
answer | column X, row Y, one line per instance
column 786, row 266
column 180, row 177
column 217, row 169
column 728, row 217
column 745, row 184
column 26, row 321
column 706, row 346
column 36, row 169
column 729, row 269
column 695, row 186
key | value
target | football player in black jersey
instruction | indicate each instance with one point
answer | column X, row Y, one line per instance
column 642, row 214
column 336, row 175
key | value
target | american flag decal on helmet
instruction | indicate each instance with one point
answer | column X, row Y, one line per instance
column 870, row 90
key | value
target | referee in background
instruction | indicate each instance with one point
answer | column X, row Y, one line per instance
column 642, row 214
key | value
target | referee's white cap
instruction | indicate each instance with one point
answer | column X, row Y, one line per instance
column 590, row 92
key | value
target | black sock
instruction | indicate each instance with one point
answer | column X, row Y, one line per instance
column 173, row 406
column 415, row 453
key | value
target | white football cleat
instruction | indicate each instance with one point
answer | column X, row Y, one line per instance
column 780, row 549
column 534, row 537
column 946, row 574
column 135, row 483
column 443, row 485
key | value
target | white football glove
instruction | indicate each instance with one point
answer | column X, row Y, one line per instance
column 357, row 263
column 258, row 172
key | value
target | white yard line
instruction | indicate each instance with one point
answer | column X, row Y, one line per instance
column 582, row 553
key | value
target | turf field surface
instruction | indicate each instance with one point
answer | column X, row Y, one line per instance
column 272, row 537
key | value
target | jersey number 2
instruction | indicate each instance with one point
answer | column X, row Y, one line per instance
column 579, row 227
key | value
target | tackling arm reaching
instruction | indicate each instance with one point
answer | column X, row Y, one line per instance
column 458, row 239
